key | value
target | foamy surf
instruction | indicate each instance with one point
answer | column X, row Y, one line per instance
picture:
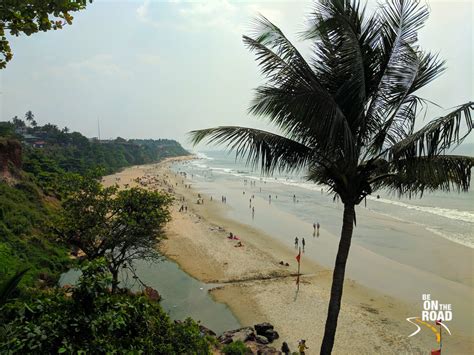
column 464, row 216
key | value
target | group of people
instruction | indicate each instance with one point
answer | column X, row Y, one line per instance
column 316, row 229
column 231, row 236
column 223, row 199
column 285, row 349
column 303, row 243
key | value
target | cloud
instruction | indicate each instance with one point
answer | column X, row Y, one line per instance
column 100, row 66
column 189, row 16
column 273, row 15
column 143, row 11
column 149, row 59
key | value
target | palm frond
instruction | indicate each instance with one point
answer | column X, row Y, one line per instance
column 399, row 63
column 415, row 175
column 342, row 52
column 294, row 99
column 430, row 67
column 262, row 149
column 437, row 136
column 398, row 125
column 9, row 286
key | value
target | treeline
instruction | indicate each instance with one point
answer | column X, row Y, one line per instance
column 49, row 150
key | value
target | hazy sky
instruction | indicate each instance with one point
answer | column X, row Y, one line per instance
column 154, row 69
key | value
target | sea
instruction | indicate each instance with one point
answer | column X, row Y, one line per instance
column 448, row 215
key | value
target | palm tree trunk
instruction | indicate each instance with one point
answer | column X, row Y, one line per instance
column 338, row 279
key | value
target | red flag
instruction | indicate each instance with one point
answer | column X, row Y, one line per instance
column 438, row 322
column 298, row 257
column 436, row 352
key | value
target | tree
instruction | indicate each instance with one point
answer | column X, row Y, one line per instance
column 31, row 16
column 18, row 123
column 347, row 116
column 30, row 118
column 120, row 225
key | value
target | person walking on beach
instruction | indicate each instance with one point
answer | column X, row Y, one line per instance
column 269, row 198
column 253, row 212
column 314, row 229
column 302, row 346
column 303, row 243
column 317, row 226
column 296, row 242
column 285, row 349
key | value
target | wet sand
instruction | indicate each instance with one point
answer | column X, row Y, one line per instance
column 257, row 288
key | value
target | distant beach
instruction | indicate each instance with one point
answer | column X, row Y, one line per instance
column 381, row 292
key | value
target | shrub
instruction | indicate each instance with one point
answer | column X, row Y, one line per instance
column 236, row 348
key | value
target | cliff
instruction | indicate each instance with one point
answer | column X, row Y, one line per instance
column 10, row 159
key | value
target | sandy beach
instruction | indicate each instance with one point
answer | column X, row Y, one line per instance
column 257, row 288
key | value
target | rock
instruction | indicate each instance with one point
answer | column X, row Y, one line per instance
column 206, row 331
column 224, row 339
column 261, row 328
column 242, row 334
column 271, row 335
column 261, row 339
column 152, row 294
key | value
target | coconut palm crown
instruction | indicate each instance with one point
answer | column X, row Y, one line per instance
column 347, row 115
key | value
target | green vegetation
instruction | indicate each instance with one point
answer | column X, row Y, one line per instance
column 236, row 348
column 64, row 151
column 89, row 319
column 348, row 115
column 25, row 240
column 120, row 225
column 29, row 202
column 31, row 16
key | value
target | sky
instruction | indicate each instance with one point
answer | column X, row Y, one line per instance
column 157, row 69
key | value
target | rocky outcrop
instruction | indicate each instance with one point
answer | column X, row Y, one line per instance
column 10, row 158
column 255, row 338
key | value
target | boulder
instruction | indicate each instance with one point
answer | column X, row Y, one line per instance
column 261, row 339
column 271, row 335
column 242, row 334
column 206, row 331
column 261, row 328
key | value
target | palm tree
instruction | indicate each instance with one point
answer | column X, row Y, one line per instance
column 347, row 116
column 30, row 117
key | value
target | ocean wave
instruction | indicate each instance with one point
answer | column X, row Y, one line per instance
column 457, row 238
column 197, row 164
column 439, row 211
column 201, row 155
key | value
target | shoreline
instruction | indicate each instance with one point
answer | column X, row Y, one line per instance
column 256, row 288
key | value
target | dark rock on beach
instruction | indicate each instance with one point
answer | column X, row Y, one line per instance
column 271, row 335
column 256, row 340
column 261, row 339
column 261, row 328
